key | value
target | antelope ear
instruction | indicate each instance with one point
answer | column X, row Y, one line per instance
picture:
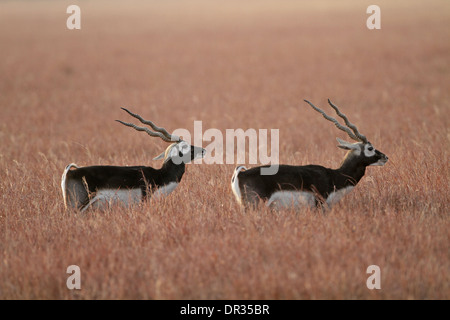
column 345, row 145
column 161, row 156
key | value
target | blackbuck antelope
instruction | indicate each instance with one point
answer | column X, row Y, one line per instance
column 310, row 185
column 100, row 186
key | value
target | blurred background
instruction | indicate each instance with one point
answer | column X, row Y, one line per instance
column 231, row 64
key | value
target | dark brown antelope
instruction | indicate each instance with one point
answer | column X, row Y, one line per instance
column 310, row 185
column 100, row 186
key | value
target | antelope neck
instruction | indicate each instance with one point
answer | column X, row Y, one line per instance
column 349, row 173
column 175, row 171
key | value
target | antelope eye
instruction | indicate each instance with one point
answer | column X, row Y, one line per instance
column 370, row 148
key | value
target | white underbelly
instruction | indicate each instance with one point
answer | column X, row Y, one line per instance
column 164, row 190
column 289, row 199
column 337, row 195
column 108, row 197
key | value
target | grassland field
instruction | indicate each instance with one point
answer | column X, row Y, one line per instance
column 231, row 65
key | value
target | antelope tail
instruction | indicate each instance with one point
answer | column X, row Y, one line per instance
column 63, row 182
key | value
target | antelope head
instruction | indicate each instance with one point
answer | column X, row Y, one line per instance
column 179, row 151
column 362, row 149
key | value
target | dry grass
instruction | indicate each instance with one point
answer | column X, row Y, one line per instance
column 231, row 66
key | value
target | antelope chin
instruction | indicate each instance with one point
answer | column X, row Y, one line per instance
column 380, row 162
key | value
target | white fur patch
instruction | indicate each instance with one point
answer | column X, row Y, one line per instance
column 337, row 195
column 108, row 197
column 287, row 199
column 235, row 184
column 380, row 162
column 183, row 147
column 63, row 182
column 164, row 190
column 369, row 150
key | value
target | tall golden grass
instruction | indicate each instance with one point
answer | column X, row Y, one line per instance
column 230, row 65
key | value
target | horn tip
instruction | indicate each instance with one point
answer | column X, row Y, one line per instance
column 124, row 123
